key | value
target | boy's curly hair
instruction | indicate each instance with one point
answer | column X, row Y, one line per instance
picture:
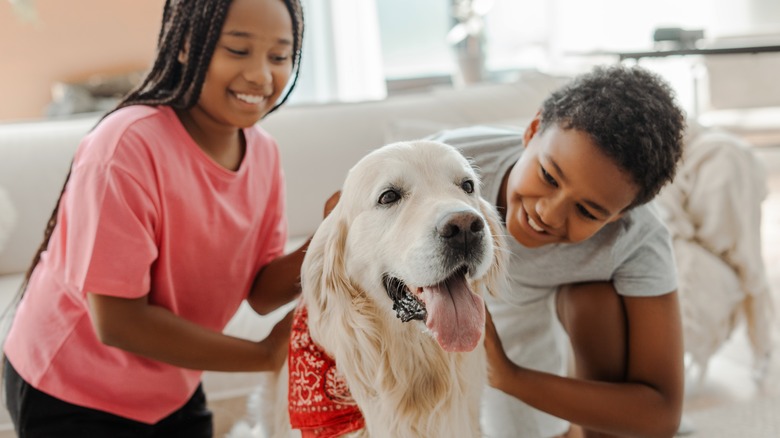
column 631, row 115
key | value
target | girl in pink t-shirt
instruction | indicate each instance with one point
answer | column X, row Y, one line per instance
column 172, row 215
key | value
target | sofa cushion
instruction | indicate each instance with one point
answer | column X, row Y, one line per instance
column 413, row 129
column 7, row 217
column 34, row 161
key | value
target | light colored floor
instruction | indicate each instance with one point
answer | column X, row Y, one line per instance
column 227, row 413
column 730, row 404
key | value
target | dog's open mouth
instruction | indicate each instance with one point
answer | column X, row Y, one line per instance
column 407, row 306
column 451, row 311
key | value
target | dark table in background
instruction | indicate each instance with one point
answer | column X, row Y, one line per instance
column 714, row 49
column 723, row 50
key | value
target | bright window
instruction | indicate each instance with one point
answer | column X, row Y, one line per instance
column 413, row 37
column 415, row 44
column 364, row 49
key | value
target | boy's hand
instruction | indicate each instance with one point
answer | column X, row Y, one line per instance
column 498, row 362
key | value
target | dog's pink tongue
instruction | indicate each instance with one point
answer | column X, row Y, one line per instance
column 456, row 316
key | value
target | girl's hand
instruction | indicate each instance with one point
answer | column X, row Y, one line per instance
column 278, row 283
column 276, row 344
column 330, row 204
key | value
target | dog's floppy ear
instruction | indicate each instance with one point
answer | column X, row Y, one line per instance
column 324, row 271
column 327, row 289
column 495, row 280
column 334, row 271
column 341, row 318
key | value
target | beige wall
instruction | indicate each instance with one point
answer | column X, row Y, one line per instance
column 70, row 39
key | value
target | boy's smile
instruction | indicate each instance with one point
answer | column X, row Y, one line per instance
column 563, row 189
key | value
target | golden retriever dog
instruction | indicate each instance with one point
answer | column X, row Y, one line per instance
column 392, row 292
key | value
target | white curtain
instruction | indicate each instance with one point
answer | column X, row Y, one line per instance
column 342, row 55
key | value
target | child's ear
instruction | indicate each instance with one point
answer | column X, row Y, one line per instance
column 532, row 128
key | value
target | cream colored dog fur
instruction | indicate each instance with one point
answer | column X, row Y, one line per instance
column 411, row 222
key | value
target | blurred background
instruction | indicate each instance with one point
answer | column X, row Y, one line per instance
column 59, row 58
column 68, row 61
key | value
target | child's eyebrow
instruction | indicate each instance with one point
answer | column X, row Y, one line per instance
column 249, row 35
column 594, row 205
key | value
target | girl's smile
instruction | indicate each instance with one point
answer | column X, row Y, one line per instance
column 253, row 100
column 249, row 70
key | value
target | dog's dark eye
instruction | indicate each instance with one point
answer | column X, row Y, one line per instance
column 467, row 186
column 389, row 197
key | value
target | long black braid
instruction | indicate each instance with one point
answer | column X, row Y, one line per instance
column 195, row 25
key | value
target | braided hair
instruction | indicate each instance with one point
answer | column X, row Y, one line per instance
column 195, row 25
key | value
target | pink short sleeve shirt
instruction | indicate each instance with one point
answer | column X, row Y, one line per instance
column 146, row 211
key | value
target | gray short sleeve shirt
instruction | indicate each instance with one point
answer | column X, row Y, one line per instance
column 634, row 252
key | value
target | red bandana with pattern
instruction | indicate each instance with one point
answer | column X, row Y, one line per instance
column 319, row 400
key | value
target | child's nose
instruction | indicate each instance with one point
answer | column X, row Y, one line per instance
column 551, row 211
column 258, row 72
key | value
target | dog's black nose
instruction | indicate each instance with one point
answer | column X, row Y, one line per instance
column 461, row 230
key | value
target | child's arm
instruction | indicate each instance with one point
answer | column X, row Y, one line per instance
column 278, row 283
column 646, row 403
column 152, row 331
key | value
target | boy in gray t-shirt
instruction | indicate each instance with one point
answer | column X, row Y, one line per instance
column 591, row 261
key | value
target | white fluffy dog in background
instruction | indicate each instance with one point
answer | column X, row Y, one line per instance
column 392, row 289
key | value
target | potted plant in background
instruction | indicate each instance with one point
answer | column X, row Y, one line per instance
column 467, row 37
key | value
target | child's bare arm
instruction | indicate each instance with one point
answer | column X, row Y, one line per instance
column 278, row 283
column 152, row 331
column 646, row 403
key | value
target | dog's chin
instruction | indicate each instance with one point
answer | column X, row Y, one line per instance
column 452, row 312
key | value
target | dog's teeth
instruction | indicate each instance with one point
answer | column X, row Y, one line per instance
column 409, row 308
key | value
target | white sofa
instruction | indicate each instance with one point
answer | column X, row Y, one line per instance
column 319, row 143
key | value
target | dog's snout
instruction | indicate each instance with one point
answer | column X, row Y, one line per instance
column 461, row 230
